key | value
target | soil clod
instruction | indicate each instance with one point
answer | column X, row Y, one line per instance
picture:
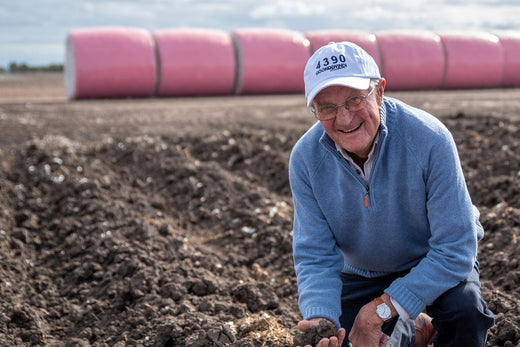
column 314, row 334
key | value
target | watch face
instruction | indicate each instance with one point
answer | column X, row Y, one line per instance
column 384, row 311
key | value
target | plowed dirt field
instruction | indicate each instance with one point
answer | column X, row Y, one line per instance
column 167, row 221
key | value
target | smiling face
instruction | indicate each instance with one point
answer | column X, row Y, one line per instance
column 352, row 131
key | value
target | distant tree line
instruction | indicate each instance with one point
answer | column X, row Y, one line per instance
column 15, row 67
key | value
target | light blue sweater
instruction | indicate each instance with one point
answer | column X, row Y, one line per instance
column 415, row 212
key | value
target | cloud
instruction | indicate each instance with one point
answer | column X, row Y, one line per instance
column 286, row 9
column 41, row 26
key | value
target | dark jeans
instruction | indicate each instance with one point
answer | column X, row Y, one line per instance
column 460, row 316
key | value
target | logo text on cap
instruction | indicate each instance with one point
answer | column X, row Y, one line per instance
column 331, row 63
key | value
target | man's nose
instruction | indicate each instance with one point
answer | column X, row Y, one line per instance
column 343, row 112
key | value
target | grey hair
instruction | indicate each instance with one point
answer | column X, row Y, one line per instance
column 374, row 82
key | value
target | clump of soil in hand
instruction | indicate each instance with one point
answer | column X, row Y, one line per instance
column 314, row 334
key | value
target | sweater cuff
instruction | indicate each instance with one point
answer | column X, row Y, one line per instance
column 319, row 312
column 408, row 301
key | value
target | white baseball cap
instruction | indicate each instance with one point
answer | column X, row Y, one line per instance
column 338, row 63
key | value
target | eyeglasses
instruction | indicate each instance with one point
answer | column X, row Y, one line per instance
column 354, row 103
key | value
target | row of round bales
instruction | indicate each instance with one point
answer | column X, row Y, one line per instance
column 117, row 62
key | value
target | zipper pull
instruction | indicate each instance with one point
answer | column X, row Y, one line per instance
column 366, row 197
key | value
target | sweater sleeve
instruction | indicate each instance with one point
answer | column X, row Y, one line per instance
column 318, row 261
column 455, row 231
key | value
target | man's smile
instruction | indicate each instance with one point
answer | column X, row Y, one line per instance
column 348, row 131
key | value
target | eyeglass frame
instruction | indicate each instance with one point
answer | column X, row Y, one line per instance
column 345, row 104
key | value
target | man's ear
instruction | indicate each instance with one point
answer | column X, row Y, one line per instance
column 381, row 91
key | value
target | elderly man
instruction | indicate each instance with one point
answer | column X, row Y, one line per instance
column 384, row 227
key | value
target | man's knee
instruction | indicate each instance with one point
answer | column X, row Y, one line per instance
column 461, row 317
column 461, row 302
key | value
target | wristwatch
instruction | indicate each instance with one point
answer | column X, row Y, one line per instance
column 383, row 310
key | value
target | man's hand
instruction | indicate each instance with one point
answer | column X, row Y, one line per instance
column 334, row 341
column 366, row 331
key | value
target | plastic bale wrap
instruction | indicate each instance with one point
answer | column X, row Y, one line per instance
column 411, row 60
column 110, row 62
column 473, row 60
column 363, row 39
column 510, row 41
column 270, row 61
column 195, row 62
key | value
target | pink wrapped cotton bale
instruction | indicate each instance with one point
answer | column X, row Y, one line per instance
column 510, row 41
column 363, row 39
column 270, row 61
column 411, row 60
column 110, row 62
column 473, row 60
column 195, row 62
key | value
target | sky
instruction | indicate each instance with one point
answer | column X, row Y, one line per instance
column 34, row 31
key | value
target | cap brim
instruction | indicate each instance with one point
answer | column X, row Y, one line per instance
column 351, row 82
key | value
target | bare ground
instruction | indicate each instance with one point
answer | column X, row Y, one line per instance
column 167, row 221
